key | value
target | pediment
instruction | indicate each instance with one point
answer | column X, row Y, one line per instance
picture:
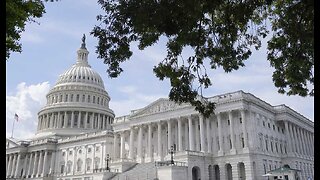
column 158, row 106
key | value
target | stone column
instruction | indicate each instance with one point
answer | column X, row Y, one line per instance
column 13, row 165
column 52, row 163
column 288, row 136
column 7, row 161
column 307, row 142
column 244, row 125
column 65, row 121
column 115, row 146
column 208, row 135
column 186, row 135
column 40, row 165
column 35, row 164
column 92, row 121
column 300, row 140
column 149, row 140
column 296, row 139
column 72, row 119
column 159, row 141
column 169, row 134
column 30, row 164
column 44, row 167
column 131, row 148
column 179, row 135
column 233, row 150
column 79, row 119
column 103, row 121
column 139, row 154
column 220, row 152
column 197, row 134
column 9, row 164
column 122, row 145
column 52, row 121
column 191, row 136
column 202, row 137
column 25, row 165
column 86, row 120
column 303, row 142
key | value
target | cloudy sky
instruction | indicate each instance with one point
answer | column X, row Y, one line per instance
column 49, row 49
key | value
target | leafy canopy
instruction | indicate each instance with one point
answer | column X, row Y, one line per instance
column 18, row 13
column 219, row 32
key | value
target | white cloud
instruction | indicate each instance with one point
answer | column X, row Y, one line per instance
column 135, row 99
column 27, row 101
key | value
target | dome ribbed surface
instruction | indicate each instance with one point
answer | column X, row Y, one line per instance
column 81, row 73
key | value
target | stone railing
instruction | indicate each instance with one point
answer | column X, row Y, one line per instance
column 169, row 163
column 122, row 160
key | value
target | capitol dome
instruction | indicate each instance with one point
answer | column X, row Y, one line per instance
column 78, row 103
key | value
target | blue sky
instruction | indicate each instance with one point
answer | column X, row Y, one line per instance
column 49, row 48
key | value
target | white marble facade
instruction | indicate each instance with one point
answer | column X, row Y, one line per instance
column 245, row 138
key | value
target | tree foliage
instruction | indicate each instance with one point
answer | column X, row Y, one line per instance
column 220, row 32
column 18, row 13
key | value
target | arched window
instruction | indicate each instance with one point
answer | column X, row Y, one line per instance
column 62, row 167
column 88, row 163
column 96, row 163
column 79, row 165
column 69, row 166
column 66, row 98
column 71, row 99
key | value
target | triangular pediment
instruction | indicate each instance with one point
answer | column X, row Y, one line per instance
column 158, row 106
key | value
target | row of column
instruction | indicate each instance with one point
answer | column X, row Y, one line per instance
column 301, row 141
column 191, row 133
column 78, row 119
column 35, row 164
column 87, row 155
column 76, row 98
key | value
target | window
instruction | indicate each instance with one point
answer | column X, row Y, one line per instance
column 267, row 145
column 78, row 97
column 69, row 165
column 79, row 165
column 278, row 129
column 88, row 98
column 240, row 120
column 97, row 148
column 98, row 100
column 96, row 163
column 242, row 141
column 62, row 168
column 70, row 152
column 63, row 153
column 71, row 99
column 282, row 130
column 94, row 99
column 66, row 98
column 274, row 128
column 263, row 123
column 228, row 122
column 88, row 162
column 277, row 147
column 268, row 125
column 83, row 97
column 60, row 100
column 89, row 150
column 271, row 146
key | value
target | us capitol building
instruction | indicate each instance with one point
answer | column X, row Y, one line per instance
column 79, row 138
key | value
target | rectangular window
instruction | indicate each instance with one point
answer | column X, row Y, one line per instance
column 88, row 98
column 94, row 99
column 83, row 97
column 267, row 145
column 240, row 120
column 71, row 99
column 78, row 97
column 66, row 99
column 228, row 122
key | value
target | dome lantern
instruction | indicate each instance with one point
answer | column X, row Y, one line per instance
column 83, row 53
